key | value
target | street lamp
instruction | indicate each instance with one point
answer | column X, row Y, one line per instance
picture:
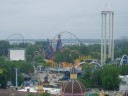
column 16, row 77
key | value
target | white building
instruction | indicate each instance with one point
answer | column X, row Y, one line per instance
column 124, row 83
column 16, row 54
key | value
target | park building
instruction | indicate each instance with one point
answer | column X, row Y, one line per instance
column 73, row 87
column 124, row 83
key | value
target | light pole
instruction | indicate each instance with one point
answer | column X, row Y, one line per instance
column 16, row 77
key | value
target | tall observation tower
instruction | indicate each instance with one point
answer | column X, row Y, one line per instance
column 107, row 40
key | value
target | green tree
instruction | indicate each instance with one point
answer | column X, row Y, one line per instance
column 3, row 77
column 121, row 49
column 4, row 45
column 87, row 75
column 45, row 94
column 39, row 59
column 96, row 77
column 9, row 67
column 83, row 50
column 41, row 44
column 110, row 77
column 94, row 50
column 30, row 50
column 124, row 70
column 64, row 56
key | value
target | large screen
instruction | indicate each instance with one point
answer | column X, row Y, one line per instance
column 17, row 54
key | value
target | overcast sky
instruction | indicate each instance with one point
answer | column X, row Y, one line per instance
column 41, row 19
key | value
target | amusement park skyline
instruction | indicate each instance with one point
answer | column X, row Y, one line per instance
column 42, row 19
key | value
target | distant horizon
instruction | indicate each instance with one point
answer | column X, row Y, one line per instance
column 122, row 37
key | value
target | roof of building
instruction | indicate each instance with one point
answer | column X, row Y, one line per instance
column 125, row 76
column 73, row 87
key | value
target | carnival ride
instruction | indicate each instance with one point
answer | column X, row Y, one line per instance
column 124, row 60
column 97, row 65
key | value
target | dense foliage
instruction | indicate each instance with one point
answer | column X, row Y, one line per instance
column 8, row 70
column 66, row 55
column 106, row 77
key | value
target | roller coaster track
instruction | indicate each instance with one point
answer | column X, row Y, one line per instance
column 15, row 35
column 71, row 34
column 94, row 63
column 124, row 59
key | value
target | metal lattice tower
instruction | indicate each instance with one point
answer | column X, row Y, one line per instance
column 107, row 40
column 59, row 44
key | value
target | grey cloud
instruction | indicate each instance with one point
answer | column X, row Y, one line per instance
column 45, row 18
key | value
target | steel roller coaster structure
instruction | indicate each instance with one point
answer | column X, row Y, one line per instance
column 55, row 44
column 15, row 38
